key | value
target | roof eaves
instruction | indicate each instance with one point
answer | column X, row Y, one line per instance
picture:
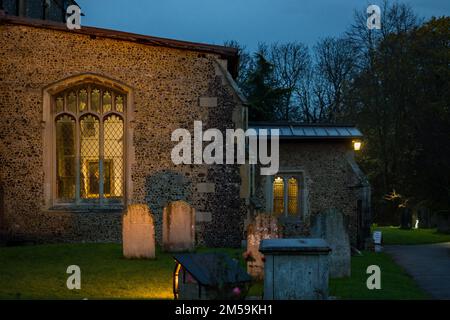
column 228, row 53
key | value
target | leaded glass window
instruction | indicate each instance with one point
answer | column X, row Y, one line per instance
column 83, row 100
column 95, row 100
column 65, row 157
column 113, row 133
column 292, row 196
column 89, row 132
column 285, row 195
column 278, row 195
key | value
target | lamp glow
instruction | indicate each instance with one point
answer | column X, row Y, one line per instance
column 356, row 145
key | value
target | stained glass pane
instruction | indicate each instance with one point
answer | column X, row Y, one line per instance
column 119, row 103
column 293, row 196
column 83, row 100
column 72, row 102
column 89, row 157
column 107, row 101
column 278, row 195
column 59, row 104
column 113, row 155
column 65, row 157
column 95, row 100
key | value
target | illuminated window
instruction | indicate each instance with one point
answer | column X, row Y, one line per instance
column 89, row 144
column 292, row 196
column 65, row 157
column 285, row 195
column 106, row 101
column 83, row 100
column 278, row 195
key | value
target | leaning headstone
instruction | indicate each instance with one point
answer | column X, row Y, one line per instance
column 265, row 226
column 138, row 232
column 329, row 225
column 178, row 227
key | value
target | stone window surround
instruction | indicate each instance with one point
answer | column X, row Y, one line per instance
column 49, row 139
column 301, row 176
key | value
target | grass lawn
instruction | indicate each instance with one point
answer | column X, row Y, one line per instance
column 396, row 284
column 39, row 272
column 395, row 235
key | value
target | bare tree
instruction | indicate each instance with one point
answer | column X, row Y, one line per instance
column 291, row 62
column 245, row 60
column 334, row 70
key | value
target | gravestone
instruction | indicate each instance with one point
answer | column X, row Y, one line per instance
column 138, row 232
column 329, row 225
column 406, row 218
column 424, row 217
column 178, row 227
column 265, row 226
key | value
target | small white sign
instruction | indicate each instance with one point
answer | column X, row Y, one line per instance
column 377, row 237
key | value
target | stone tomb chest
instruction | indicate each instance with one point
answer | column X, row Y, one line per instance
column 207, row 276
column 295, row 269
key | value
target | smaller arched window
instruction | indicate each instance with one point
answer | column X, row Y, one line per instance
column 89, row 134
column 286, row 195
column 278, row 195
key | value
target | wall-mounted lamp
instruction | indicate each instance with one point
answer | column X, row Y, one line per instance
column 356, row 145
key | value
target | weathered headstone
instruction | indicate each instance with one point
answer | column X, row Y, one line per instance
column 265, row 226
column 329, row 225
column 138, row 232
column 178, row 227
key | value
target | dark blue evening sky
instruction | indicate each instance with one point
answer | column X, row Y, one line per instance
column 247, row 21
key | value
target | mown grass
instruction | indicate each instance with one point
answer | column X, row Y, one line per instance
column 395, row 235
column 39, row 272
column 396, row 284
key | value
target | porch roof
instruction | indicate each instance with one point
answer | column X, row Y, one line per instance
column 294, row 130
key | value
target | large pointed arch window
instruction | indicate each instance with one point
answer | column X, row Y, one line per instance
column 89, row 132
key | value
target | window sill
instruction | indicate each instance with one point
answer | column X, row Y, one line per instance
column 290, row 219
column 87, row 208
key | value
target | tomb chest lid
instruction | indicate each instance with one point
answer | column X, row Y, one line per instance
column 294, row 246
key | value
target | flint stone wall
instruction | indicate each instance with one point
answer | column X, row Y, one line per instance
column 167, row 85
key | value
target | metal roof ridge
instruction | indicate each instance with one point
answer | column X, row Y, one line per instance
column 300, row 124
